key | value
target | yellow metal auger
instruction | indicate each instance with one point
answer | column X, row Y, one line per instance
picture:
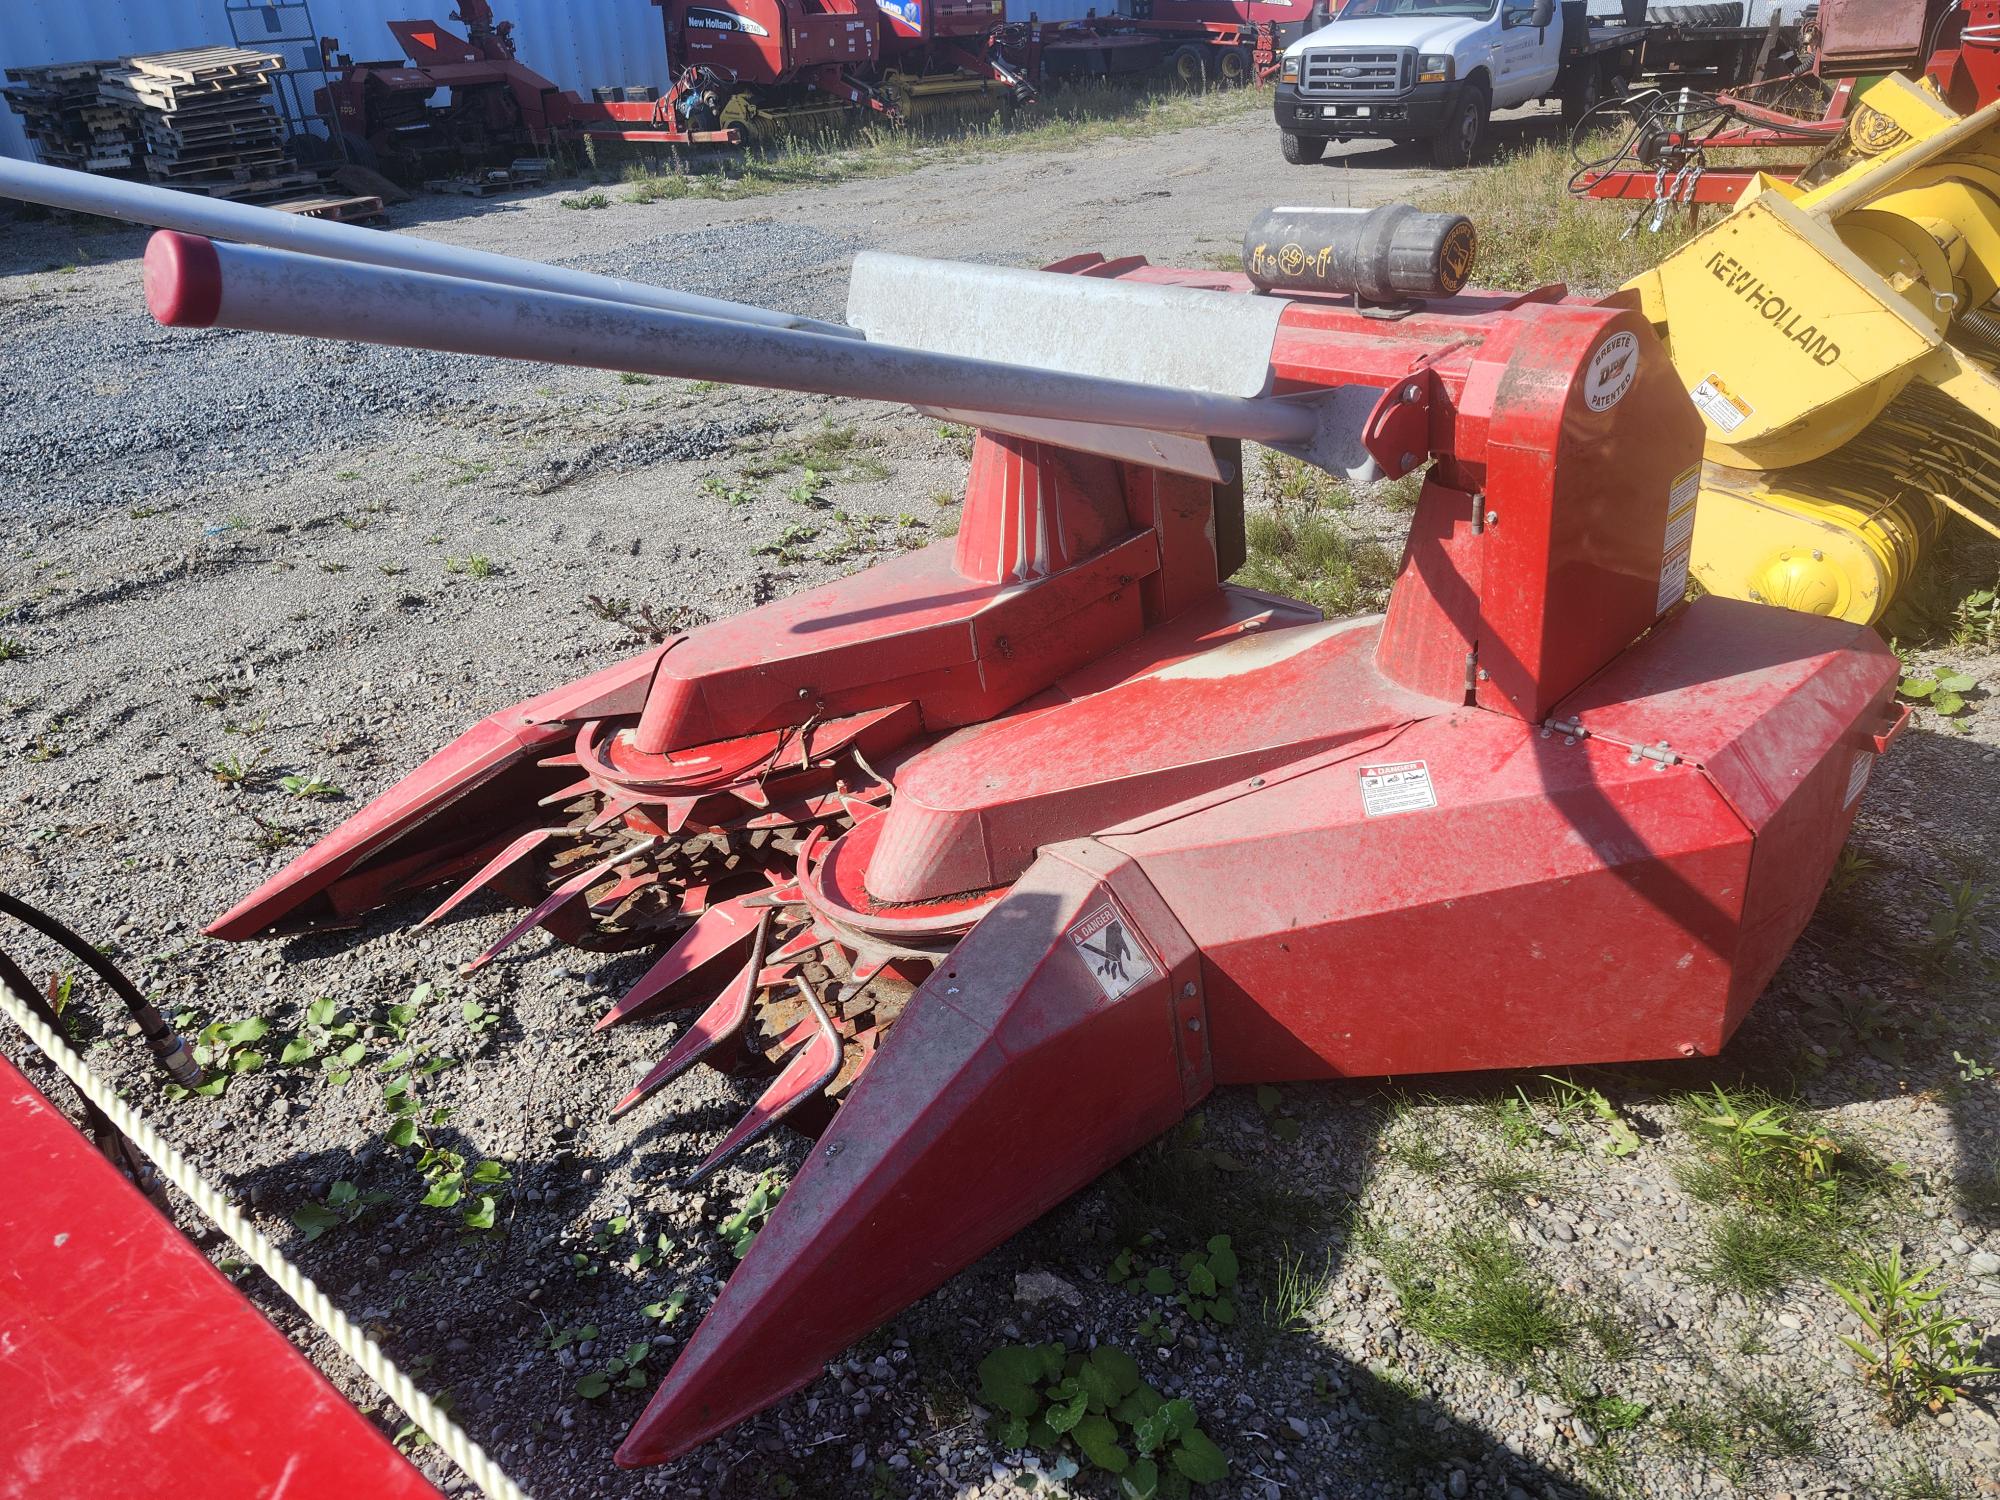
column 1839, row 344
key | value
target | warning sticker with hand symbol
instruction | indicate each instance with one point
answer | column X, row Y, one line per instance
column 1108, row 950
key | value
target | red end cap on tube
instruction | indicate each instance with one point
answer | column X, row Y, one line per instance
column 183, row 280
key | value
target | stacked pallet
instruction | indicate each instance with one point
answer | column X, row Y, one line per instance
column 209, row 122
column 68, row 122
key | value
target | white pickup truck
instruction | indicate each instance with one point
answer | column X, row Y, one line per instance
column 1434, row 70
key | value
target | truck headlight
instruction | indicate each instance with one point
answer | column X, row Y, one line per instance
column 1434, row 67
column 1288, row 70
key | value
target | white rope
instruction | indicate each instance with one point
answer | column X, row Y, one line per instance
column 353, row 1341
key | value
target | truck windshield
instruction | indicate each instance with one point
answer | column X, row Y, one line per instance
column 1357, row 10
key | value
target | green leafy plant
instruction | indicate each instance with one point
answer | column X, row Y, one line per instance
column 1943, row 692
column 225, row 1049
column 562, row 1338
column 1572, row 1100
column 739, row 1230
column 236, row 770
column 1956, row 924
column 626, row 1372
column 310, row 788
column 1970, row 1069
column 1204, row 1287
column 327, row 1039
column 1270, row 1104
column 1473, row 1291
column 1045, row 1397
column 668, row 1309
column 1915, row 1355
column 344, row 1204
column 586, row 200
column 448, row 1182
column 478, row 1019
column 475, row 566
column 1848, row 870
column 1761, row 1137
column 1976, row 619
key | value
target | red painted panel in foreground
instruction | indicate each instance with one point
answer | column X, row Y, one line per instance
column 129, row 1366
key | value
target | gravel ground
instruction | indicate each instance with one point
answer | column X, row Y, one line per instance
column 229, row 551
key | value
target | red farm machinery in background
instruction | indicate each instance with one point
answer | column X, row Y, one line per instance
column 1195, row 42
column 749, row 69
column 1668, row 154
column 495, row 107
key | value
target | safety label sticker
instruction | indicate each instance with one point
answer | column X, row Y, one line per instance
column 1725, row 410
column 1612, row 370
column 1400, row 787
column 1678, row 544
column 1857, row 776
column 1106, row 946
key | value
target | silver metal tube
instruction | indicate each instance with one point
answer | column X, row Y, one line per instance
column 190, row 213
column 274, row 291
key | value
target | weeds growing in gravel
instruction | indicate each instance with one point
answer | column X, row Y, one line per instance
column 739, row 1230
column 11, row 649
column 311, row 788
column 344, row 1204
column 1787, row 1188
column 1475, row 1292
column 1918, row 1479
column 1916, row 1356
column 474, row 566
column 1299, row 1287
column 1047, row 1398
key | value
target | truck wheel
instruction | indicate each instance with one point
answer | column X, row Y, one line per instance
column 1188, row 67
column 1302, row 150
column 1233, row 66
column 1581, row 97
column 1463, row 127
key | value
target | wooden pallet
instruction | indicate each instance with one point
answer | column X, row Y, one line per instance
column 219, row 66
column 250, row 188
column 67, row 121
column 346, row 210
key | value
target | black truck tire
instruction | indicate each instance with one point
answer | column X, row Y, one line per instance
column 1583, row 94
column 1301, row 150
column 1464, row 129
column 1188, row 67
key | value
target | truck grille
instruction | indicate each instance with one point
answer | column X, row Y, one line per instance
column 1350, row 72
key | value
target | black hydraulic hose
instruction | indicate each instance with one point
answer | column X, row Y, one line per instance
column 172, row 1052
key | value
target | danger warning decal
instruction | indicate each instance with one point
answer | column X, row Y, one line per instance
column 1724, row 409
column 1399, row 787
column 1105, row 944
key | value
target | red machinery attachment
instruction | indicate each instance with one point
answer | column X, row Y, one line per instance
column 192, row 1383
column 767, row 66
column 1014, row 847
column 496, row 106
column 1953, row 44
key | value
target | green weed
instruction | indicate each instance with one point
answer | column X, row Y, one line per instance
column 739, row 1230
column 1474, row 1292
column 1046, row 1397
column 1915, row 1356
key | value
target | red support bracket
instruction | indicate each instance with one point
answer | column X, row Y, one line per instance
column 1397, row 433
